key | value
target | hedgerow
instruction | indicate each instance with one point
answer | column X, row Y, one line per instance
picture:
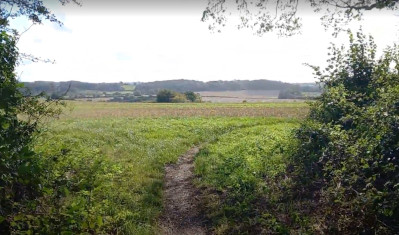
column 345, row 160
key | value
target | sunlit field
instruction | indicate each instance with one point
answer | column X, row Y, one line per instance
column 109, row 158
column 118, row 110
column 199, row 117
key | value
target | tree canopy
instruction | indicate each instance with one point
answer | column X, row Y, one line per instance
column 35, row 10
column 282, row 17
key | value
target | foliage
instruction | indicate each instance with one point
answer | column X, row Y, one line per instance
column 20, row 116
column 178, row 98
column 339, row 175
column 347, row 150
column 183, row 85
column 165, row 96
column 73, row 87
column 192, row 97
column 281, row 16
column 168, row 96
column 238, row 175
column 21, row 169
column 34, row 9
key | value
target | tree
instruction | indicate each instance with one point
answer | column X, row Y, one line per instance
column 165, row 96
column 178, row 98
column 168, row 96
column 191, row 96
column 281, row 16
column 35, row 10
column 20, row 117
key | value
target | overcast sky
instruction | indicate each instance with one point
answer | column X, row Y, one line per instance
column 161, row 40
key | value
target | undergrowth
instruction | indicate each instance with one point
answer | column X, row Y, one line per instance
column 236, row 173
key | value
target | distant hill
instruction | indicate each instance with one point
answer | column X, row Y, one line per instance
column 78, row 89
column 191, row 85
column 71, row 87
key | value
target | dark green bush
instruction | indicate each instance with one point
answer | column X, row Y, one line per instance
column 346, row 159
column 192, row 97
column 165, row 96
column 20, row 167
column 168, row 96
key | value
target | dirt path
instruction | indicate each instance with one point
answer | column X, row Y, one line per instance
column 181, row 214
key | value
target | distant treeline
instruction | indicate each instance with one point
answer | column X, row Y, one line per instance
column 75, row 89
column 71, row 86
column 191, row 85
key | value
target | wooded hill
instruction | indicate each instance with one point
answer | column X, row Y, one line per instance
column 152, row 88
column 182, row 85
column 70, row 87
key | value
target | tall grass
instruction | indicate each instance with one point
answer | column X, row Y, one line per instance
column 235, row 173
column 106, row 175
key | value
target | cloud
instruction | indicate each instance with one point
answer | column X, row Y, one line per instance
column 122, row 56
column 146, row 47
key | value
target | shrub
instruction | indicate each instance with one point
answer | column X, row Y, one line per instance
column 165, row 96
column 178, row 98
column 20, row 167
column 192, row 97
column 346, row 159
column 168, row 96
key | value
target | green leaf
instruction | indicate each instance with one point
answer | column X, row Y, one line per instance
column 99, row 220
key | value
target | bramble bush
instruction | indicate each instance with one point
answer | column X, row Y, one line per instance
column 345, row 162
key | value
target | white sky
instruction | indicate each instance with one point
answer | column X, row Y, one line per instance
column 146, row 44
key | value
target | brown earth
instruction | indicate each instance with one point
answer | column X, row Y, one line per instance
column 181, row 199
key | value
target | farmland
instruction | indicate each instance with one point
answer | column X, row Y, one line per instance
column 107, row 160
column 117, row 110
column 240, row 96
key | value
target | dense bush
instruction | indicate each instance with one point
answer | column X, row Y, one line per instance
column 192, row 97
column 346, row 159
column 178, row 98
column 168, row 96
column 341, row 171
column 165, row 96
column 20, row 167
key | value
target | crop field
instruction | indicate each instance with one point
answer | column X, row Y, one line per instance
column 108, row 159
column 117, row 110
column 240, row 96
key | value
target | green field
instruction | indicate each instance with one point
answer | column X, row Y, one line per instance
column 129, row 87
column 107, row 162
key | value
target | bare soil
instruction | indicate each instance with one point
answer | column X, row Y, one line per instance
column 181, row 199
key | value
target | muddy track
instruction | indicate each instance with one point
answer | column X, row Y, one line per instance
column 181, row 213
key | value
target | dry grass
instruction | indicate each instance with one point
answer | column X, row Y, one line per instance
column 100, row 110
column 239, row 96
